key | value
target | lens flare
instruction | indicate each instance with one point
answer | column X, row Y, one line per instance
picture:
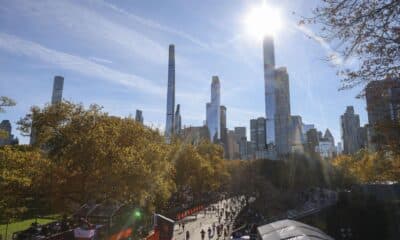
column 263, row 20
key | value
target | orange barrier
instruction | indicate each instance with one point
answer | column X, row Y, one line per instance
column 189, row 212
column 124, row 234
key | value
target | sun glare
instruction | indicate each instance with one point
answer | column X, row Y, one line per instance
column 263, row 20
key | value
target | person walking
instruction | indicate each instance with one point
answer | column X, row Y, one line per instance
column 183, row 227
column 202, row 233
column 187, row 235
column 209, row 232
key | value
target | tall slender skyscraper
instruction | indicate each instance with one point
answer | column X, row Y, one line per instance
column 169, row 126
column 58, row 85
column 214, row 111
column 270, row 89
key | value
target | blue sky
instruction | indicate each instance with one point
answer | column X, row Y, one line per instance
column 114, row 53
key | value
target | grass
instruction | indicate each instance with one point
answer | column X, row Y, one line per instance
column 19, row 226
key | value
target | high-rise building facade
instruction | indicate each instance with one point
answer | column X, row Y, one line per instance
column 8, row 138
column 224, row 131
column 296, row 135
column 213, row 111
column 242, row 141
column 139, row 116
column 177, row 120
column 58, row 86
column 169, row 126
column 305, row 129
column 233, row 145
column 383, row 107
column 270, row 89
column 312, row 141
column 257, row 133
column 350, row 124
column 277, row 101
column 282, row 115
column 195, row 135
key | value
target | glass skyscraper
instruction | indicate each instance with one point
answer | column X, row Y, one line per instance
column 277, row 101
column 213, row 111
column 57, row 90
column 270, row 86
column 169, row 126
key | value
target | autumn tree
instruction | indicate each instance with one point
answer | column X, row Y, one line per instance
column 369, row 167
column 368, row 31
column 97, row 157
column 199, row 169
column 22, row 171
column 5, row 102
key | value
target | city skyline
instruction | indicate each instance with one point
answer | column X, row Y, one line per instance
column 116, row 78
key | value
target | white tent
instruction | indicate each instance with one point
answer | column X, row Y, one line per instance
column 289, row 229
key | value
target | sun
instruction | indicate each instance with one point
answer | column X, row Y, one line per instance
column 262, row 21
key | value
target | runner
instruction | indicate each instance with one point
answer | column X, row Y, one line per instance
column 203, row 233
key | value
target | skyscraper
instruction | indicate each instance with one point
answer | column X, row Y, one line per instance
column 56, row 97
column 169, row 126
column 270, row 89
column 277, row 101
column 58, row 85
column 312, row 141
column 224, row 131
column 233, row 145
column 282, row 115
column 139, row 116
column 242, row 141
column 178, row 120
column 350, row 124
column 383, row 106
column 257, row 133
column 5, row 126
column 296, row 134
column 214, row 111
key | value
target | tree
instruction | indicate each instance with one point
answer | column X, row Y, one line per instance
column 22, row 171
column 369, row 167
column 6, row 102
column 96, row 157
column 366, row 30
column 199, row 168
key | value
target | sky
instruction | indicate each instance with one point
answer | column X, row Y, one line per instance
column 115, row 54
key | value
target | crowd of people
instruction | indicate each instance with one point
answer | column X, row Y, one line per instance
column 223, row 215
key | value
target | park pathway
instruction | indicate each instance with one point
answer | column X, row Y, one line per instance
column 205, row 219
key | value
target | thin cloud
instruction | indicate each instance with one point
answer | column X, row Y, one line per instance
column 149, row 23
column 93, row 27
column 75, row 63
column 100, row 60
column 333, row 56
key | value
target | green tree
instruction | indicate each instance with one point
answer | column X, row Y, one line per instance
column 6, row 102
